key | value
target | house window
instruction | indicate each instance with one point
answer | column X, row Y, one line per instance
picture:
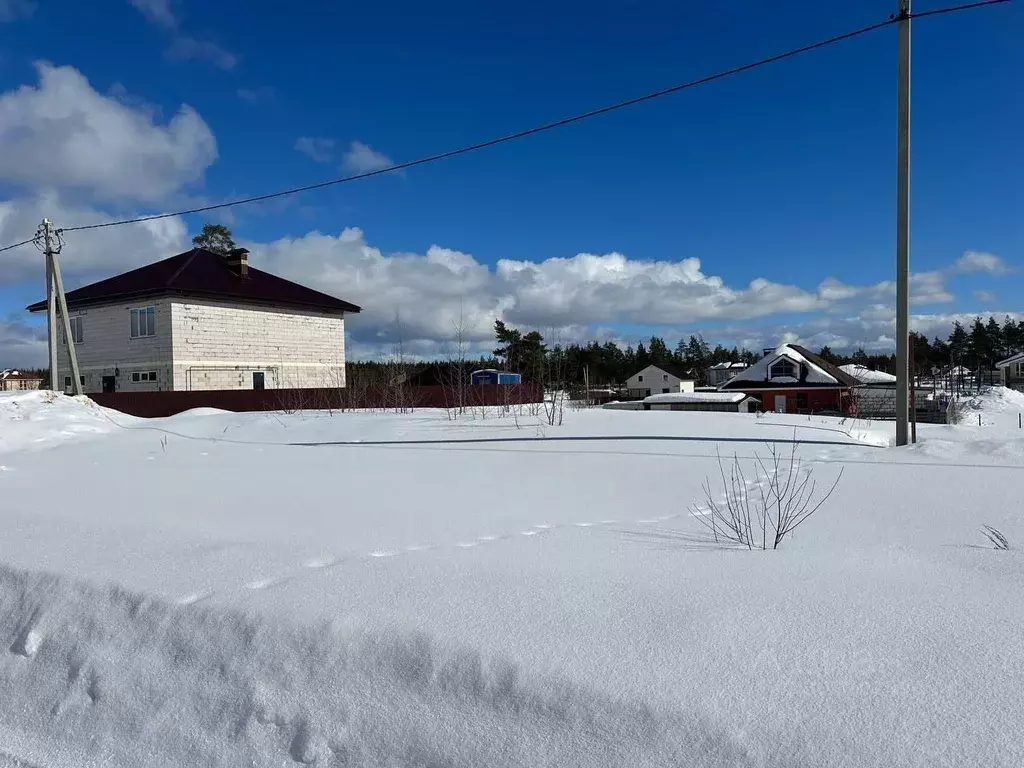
column 144, row 376
column 783, row 367
column 664, row 377
column 665, row 390
column 76, row 331
column 639, row 378
column 801, row 400
column 143, row 322
column 67, row 381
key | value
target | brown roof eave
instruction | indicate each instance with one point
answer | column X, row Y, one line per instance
column 40, row 306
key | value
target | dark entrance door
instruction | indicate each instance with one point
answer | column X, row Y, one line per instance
column 257, row 380
column 109, row 383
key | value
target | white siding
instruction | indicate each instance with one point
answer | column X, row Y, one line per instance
column 657, row 381
column 218, row 345
column 107, row 345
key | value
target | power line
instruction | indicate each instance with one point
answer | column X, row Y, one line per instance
column 508, row 137
column 955, row 8
column 538, row 129
column 16, row 245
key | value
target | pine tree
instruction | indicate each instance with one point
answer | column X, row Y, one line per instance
column 996, row 343
column 658, row 351
column 958, row 343
column 1011, row 336
column 510, row 352
column 642, row 358
column 828, row 355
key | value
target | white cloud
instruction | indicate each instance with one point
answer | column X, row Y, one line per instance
column 184, row 48
column 89, row 254
column 21, row 345
column 256, row 95
column 980, row 261
column 63, row 134
column 158, row 12
column 12, row 10
column 987, row 297
column 361, row 158
column 320, row 150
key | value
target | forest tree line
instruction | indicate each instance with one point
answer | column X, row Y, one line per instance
column 980, row 346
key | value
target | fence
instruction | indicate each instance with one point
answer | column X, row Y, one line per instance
column 159, row 404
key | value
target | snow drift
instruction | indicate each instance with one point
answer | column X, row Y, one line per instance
column 108, row 677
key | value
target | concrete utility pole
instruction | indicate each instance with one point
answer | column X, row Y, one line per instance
column 52, row 244
column 903, row 227
column 51, row 307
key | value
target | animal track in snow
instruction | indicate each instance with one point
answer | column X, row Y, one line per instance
column 266, row 583
column 318, row 563
column 195, row 597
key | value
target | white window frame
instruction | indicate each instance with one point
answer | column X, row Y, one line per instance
column 143, row 377
column 77, row 328
column 142, row 322
column 787, row 362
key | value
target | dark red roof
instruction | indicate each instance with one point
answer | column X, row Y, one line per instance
column 204, row 274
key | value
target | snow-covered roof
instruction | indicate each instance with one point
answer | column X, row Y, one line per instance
column 866, row 375
column 727, row 365
column 697, row 397
column 12, row 374
column 1010, row 360
column 812, row 371
column 672, row 370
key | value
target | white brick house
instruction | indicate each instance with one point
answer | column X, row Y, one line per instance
column 201, row 320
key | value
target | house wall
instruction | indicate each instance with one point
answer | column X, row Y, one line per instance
column 657, row 381
column 219, row 345
column 107, row 346
column 18, row 385
column 817, row 399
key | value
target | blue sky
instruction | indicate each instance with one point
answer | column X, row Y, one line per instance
column 783, row 176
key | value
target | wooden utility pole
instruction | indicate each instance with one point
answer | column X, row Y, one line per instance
column 903, row 225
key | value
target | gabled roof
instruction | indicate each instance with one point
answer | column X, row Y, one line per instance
column 18, row 375
column 203, row 274
column 1010, row 360
column 813, row 372
column 672, row 370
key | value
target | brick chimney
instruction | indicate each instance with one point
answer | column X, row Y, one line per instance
column 238, row 260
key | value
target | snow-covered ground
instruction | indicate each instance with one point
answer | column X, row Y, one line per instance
column 211, row 589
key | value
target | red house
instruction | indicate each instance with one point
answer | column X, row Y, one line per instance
column 793, row 379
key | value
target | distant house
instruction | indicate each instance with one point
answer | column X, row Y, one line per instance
column 719, row 373
column 722, row 402
column 1011, row 371
column 792, row 379
column 659, row 379
column 12, row 381
column 203, row 320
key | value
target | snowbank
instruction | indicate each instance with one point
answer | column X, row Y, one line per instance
column 42, row 419
column 107, row 677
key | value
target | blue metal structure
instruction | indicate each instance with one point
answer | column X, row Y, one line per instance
column 494, row 376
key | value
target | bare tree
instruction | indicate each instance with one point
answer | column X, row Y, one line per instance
column 758, row 514
column 453, row 375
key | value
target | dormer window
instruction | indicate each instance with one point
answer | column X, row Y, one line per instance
column 783, row 367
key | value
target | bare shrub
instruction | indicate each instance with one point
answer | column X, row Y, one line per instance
column 998, row 540
column 779, row 497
